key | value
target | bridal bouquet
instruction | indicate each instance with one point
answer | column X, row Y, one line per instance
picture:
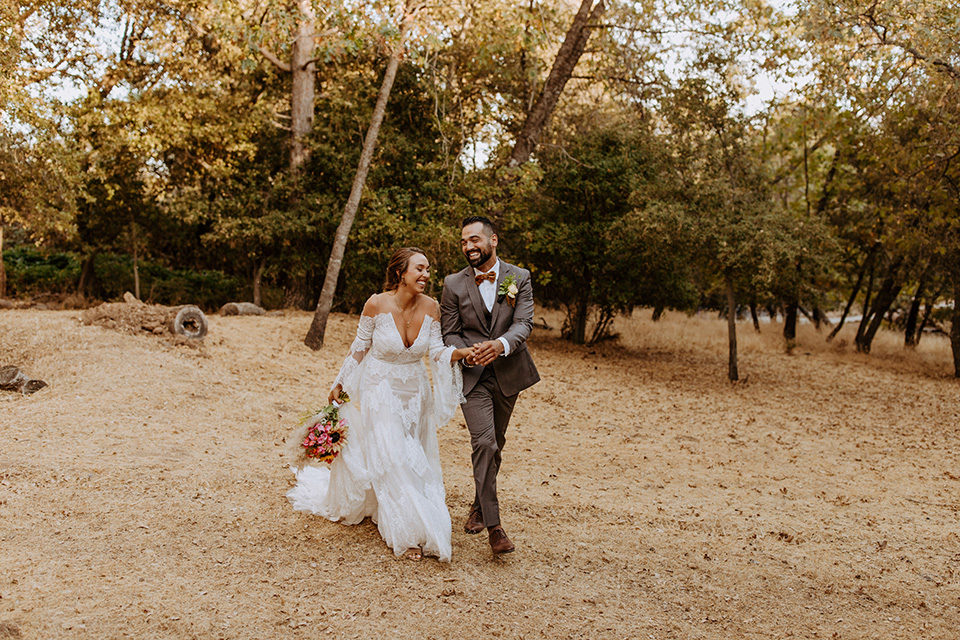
column 321, row 435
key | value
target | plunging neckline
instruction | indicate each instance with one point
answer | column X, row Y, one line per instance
column 400, row 334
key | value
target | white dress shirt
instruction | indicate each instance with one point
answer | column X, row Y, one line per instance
column 488, row 293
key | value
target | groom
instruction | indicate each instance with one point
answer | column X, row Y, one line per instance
column 489, row 305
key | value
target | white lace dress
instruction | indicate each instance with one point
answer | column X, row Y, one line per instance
column 389, row 468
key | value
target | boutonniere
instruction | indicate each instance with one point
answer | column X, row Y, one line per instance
column 509, row 288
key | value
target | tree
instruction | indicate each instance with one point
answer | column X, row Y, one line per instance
column 734, row 231
column 581, row 230
column 292, row 31
column 563, row 66
column 37, row 190
column 893, row 63
column 314, row 337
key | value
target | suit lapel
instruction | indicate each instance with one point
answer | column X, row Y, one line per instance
column 474, row 292
column 505, row 270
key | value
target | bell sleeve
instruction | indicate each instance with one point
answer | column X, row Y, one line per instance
column 348, row 376
column 447, row 377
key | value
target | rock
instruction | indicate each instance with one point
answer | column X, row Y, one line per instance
column 32, row 386
column 6, row 304
column 129, row 298
column 241, row 309
column 12, row 379
column 9, row 375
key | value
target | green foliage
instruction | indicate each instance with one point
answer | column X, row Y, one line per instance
column 207, row 289
column 31, row 272
column 660, row 180
column 582, row 238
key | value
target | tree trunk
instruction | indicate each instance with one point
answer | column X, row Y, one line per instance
column 657, row 314
column 790, row 320
column 955, row 326
column 303, row 73
column 318, row 326
column 754, row 316
column 296, row 292
column 136, row 264
column 865, row 318
column 889, row 290
column 732, row 371
column 257, row 279
column 580, row 317
column 87, row 287
column 855, row 292
column 825, row 194
column 819, row 318
column 302, row 69
column 927, row 311
column 563, row 65
column 813, row 316
column 600, row 329
column 910, row 328
column 3, row 268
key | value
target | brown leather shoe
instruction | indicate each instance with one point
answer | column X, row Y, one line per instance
column 474, row 522
column 499, row 542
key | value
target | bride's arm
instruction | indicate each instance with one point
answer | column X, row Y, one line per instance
column 437, row 348
column 361, row 344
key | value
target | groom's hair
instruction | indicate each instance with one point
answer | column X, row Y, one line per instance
column 488, row 227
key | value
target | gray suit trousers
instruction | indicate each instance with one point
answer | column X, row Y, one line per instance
column 487, row 412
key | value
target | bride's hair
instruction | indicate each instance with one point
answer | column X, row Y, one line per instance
column 398, row 266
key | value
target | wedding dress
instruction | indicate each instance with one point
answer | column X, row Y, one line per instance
column 389, row 467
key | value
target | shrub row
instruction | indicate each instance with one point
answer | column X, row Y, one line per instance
column 31, row 273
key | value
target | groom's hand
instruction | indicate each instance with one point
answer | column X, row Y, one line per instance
column 486, row 352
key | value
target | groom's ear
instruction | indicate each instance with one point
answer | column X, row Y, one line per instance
column 494, row 240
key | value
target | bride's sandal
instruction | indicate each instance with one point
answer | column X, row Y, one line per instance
column 413, row 553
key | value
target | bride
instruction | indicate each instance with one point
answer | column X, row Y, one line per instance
column 389, row 467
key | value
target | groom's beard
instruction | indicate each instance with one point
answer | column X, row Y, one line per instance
column 485, row 254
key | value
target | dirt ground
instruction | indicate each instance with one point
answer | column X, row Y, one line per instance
column 142, row 492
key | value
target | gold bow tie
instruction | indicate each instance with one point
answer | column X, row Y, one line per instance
column 489, row 275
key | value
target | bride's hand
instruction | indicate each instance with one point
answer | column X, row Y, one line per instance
column 335, row 394
column 460, row 354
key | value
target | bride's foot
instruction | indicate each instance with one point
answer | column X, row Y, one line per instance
column 413, row 553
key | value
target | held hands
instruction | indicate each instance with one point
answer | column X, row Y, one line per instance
column 462, row 354
column 485, row 352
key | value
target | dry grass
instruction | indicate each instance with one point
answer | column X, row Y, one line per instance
column 706, row 334
column 141, row 494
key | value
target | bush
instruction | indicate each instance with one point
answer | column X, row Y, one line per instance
column 160, row 285
column 30, row 272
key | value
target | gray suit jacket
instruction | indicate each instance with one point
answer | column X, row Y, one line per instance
column 463, row 323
